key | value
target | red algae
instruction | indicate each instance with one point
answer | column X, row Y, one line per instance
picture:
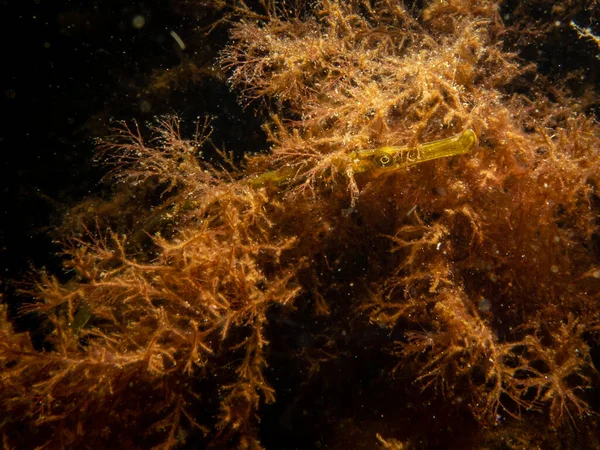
column 473, row 277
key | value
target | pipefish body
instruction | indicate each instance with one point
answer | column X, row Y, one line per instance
column 387, row 159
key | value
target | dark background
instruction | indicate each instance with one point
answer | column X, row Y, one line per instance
column 69, row 70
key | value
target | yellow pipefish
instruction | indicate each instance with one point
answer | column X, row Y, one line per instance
column 385, row 159
column 395, row 157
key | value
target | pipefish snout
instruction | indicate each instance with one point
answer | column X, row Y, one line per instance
column 389, row 158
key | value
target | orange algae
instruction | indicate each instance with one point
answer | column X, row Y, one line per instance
column 474, row 278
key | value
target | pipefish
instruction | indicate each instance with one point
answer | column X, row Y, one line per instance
column 370, row 163
column 386, row 159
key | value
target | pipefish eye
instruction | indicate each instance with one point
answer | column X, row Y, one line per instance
column 384, row 160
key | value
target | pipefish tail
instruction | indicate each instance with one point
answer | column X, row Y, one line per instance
column 395, row 157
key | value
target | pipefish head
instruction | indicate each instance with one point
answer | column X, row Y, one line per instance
column 376, row 161
column 387, row 159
